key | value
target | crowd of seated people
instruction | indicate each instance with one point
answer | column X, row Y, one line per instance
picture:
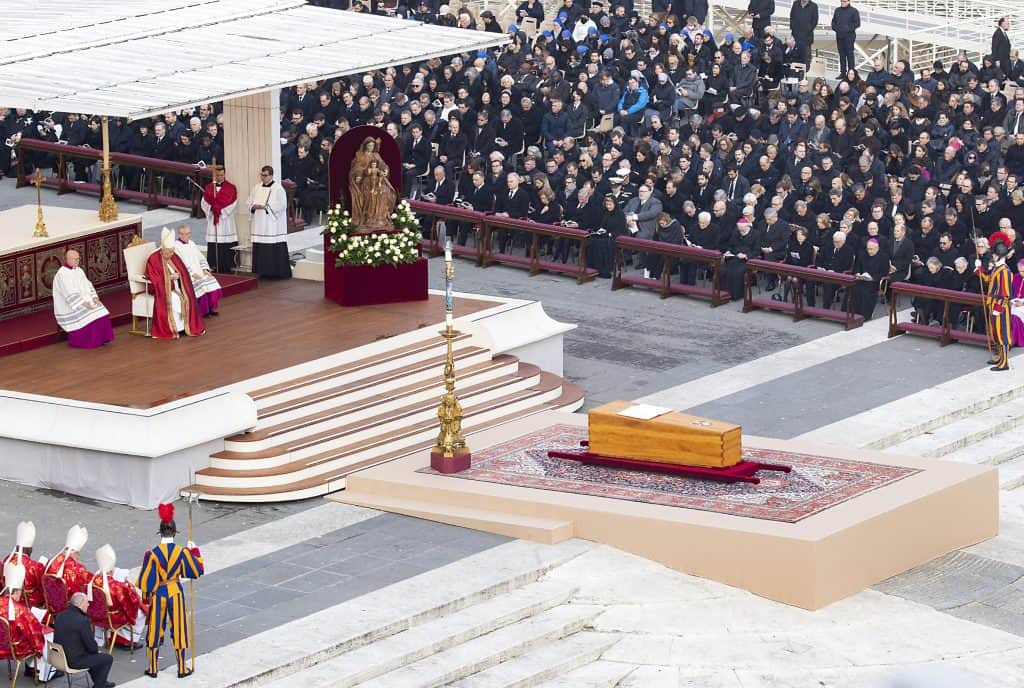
column 604, row 120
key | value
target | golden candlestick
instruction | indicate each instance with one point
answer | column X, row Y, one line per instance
column 450, row 453
column 108, row 208
column 40, row 225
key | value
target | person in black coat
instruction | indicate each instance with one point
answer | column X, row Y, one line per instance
column 668, row 231
column 1001, row 46
column 72, row 630
column 835, row 256
column 774, row 240
column 872, row 266
column 601, row 243
column 799, row 252
column 845, row 22
column 513, row 202
column 760, row 12
column 416, row 156
column 742, row 243
column 803, row 20
column 481, row 199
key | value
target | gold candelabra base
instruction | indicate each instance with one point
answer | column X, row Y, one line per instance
column 450, row 453
column 40, row 231
column 108, row 208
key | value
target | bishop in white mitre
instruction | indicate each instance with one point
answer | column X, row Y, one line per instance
column 206, row 286
column 77, row 308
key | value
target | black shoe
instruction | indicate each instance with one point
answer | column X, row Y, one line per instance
column 184, row 674
column 30, row 671
column 992, row 361
column 146, row 673
column 215, row 314
column 109, row 684
column 999, row 368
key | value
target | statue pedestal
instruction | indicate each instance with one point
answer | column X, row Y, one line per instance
column 365, row 285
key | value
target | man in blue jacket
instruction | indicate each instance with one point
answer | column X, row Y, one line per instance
column 632, row 103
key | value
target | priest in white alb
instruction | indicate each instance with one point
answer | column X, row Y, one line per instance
column 220, row 200
column 268, row 205
column 77, row 308
column 206, row 286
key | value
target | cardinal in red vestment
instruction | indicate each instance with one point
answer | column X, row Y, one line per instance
column 26, row 631
column 32, row 590
column 66, row 565
column 124, row 601
column 174, row 303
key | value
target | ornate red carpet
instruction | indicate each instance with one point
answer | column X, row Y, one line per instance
column 816, row 483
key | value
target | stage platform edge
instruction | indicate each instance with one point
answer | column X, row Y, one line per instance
column 811, row 563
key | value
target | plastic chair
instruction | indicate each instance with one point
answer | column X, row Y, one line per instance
column 99, row 614
column 59, row 661
column 6, row 640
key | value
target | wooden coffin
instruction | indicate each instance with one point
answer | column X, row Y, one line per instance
column 670, row 438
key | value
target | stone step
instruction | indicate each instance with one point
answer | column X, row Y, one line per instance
column 993, row 451
column 333, row 479
column 424, row 640
column 599, row 674
column 372, row 387
column 298, row 645
column 375, row 412
column 938, row 406
column 964, row 432
column 547, row 662
column 1011, row 474
column 479, row 654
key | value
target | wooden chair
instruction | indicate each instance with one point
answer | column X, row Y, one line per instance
column 100, row 615
column 529, row 27
column 7, row 640
column 55, row 594
column 59, row 660
column 135, row 256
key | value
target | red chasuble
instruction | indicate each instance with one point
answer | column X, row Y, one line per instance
column 32, row 592
column 163, row 312
column 76, row 577
column 125, row 602
column 220, row 198
column 26, row 631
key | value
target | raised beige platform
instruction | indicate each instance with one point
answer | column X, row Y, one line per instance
column 16, row 226
column 818, row 560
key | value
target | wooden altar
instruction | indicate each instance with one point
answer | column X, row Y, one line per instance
column 28, row 264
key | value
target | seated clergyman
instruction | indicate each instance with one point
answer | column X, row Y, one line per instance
column 206, row 286
column 77, row 308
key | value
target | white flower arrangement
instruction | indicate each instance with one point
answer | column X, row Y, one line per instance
column 393, row 248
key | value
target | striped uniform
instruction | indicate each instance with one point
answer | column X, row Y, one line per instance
column 162, row 567
column 997, row 293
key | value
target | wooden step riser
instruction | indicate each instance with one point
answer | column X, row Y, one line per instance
column 426, row 399
column 415, row 442
column 337, row 481
column 424, row 396
column 349, row 378
column 343, row 399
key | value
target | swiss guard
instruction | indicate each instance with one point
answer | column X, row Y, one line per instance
column 162, row 567
column 995, row 283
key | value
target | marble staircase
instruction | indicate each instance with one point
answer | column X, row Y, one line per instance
column 317, row 426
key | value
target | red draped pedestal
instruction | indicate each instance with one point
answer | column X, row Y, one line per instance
column 365, row 285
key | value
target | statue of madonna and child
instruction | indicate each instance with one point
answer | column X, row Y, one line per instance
column 372, row 195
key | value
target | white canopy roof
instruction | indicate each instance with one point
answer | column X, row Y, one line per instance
column 145, row 57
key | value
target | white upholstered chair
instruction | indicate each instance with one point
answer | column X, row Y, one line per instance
column 135, row 256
